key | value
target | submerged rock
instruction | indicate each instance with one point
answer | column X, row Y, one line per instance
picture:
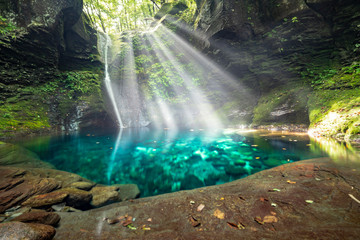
column 16, row 156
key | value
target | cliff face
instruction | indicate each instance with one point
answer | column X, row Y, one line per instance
column 285, row 52
column 47, row 53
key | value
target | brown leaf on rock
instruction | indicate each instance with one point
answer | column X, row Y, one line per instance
column 232, row 225
column 259, row 220
column 200, row 207
column 126, row 222
column 238, row 226
column 219, row 214
column 270, row 219
column 194, row 222
column 114, row 220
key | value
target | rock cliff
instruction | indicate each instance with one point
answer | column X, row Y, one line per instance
column 284, row 51
column 47, row 52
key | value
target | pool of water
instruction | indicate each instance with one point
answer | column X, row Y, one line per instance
column 167, row 161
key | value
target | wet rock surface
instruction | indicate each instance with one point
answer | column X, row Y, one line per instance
column 24, row 183
column 305, row 200
column 31, row 231
column 38, row 216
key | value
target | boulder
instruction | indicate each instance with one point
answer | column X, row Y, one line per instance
column 82, row 185
column 30, row 231
column 45, row 200
column 104, row 195
column 77, row 198
column 42, row 217
column 128, row 191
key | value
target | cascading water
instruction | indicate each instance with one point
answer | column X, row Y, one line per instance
column 106, row 43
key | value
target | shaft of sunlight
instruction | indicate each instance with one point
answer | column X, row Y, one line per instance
column 108, row 82
column 200, row 103
column 113, row 156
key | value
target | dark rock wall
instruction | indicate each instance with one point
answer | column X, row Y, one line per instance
column 266, row 44
column 50, row 37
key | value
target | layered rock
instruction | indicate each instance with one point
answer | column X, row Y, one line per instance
column 48, row 42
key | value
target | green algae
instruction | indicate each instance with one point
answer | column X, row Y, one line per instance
column 29, row 109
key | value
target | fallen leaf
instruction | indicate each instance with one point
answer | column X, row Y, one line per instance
column 114, row 220
column 263, row 199
column 222, row 199
column 131, row 227
column 273, row 204
column 272, row 213
column 270, row 219
column 145, row 228
column 194, row 222
column 241, row 226
column 232, row 225
column 200, row 207
column 149, row 220
column 219, row 214
column 238, row 226
column 259, row 220
column 290, row 182
column 309, row 201
column 274, row 190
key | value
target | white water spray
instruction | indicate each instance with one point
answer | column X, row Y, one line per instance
column 108, row 81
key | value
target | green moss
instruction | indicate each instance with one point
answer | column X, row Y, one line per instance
column 335, row 111
column 294, row 96
column 28, row 110
column 23, row 115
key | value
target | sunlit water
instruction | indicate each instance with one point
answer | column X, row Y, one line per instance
column 166, row 161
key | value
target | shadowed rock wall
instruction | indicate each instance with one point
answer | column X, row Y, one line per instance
column 268, row 45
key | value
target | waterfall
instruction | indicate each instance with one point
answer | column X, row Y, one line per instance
column 106, row 43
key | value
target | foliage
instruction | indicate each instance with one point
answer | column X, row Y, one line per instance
column 114, row 15
column 6, row 27
column 335, row 111
column 332, row 78
column 120, row 15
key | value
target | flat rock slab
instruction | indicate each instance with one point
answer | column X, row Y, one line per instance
column 312, row 199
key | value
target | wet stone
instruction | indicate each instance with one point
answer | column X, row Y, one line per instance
column 128, row 191
column 104, row 195
column 43, row 217
column 77, row 198
column 28, row 231
column 82, row 185
column 47, row 199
